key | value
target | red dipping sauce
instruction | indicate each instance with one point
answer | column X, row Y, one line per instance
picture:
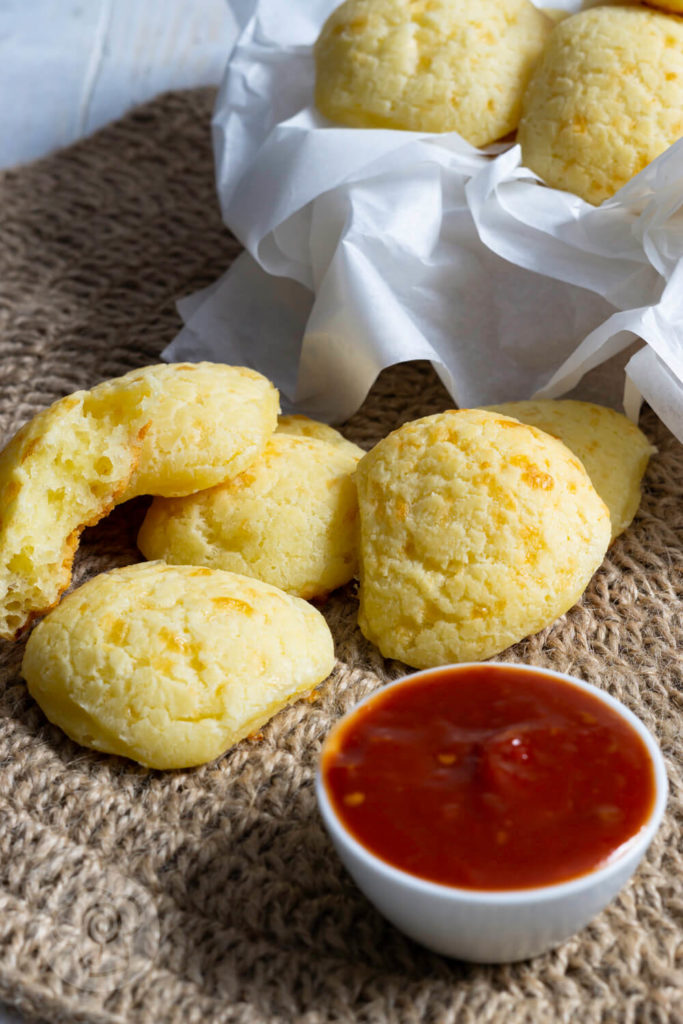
column 489, row 777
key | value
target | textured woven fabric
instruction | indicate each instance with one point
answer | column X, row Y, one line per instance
column 214, row 895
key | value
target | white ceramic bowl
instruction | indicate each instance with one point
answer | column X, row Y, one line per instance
column 494, row 926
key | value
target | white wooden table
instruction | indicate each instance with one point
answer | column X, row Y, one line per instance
column 69, row 66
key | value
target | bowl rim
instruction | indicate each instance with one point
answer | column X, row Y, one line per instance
column 636, row 844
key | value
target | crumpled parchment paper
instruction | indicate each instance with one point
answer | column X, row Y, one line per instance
column 365, row 248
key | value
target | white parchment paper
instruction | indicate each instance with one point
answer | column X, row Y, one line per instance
column 365, row 248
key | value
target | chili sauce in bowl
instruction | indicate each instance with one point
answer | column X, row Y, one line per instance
column 490, row 810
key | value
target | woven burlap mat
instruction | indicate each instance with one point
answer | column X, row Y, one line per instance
column 214, row 895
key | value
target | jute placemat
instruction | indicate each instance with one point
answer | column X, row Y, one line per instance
column 214, row 895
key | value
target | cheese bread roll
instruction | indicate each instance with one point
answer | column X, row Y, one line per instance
column 64, row 470
column 429, row 65
column 160, row 429
column 476, row 531
column 302, row 426
column 208, row 423
column 672, row 6
column 291, row 519
column 605, row 99
column 172, row 665
column 613, row 450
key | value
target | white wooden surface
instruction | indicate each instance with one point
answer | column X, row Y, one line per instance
column 69, row 66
